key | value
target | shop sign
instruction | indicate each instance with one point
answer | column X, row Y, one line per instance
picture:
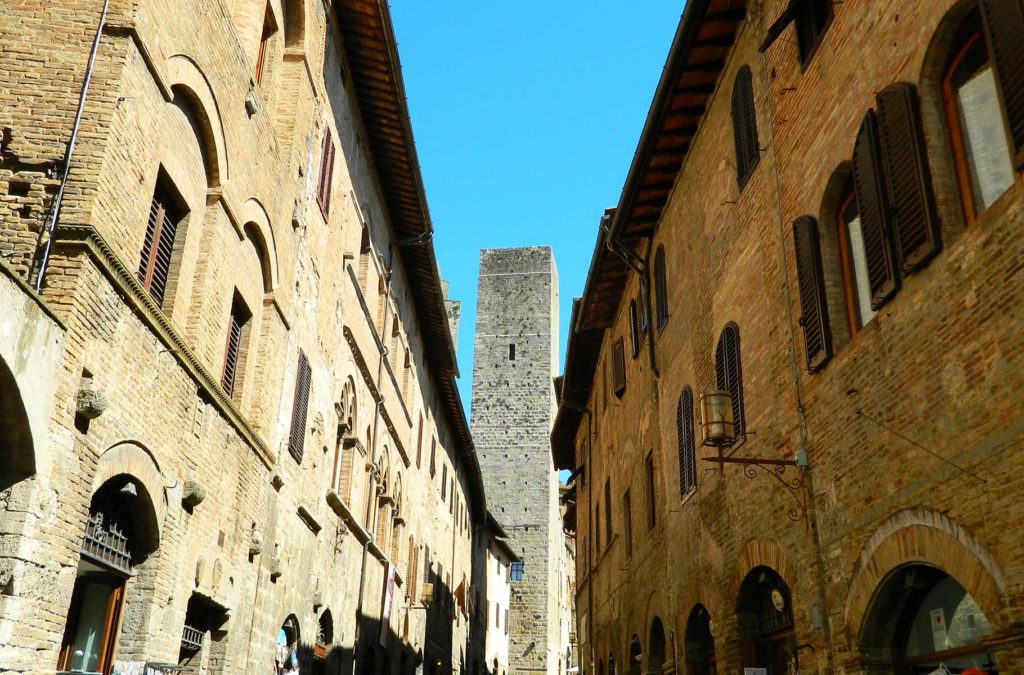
column 385, row 614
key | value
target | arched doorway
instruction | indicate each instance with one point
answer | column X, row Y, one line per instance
column 120, row 534
column 286, row 653
column 656, row 647
column 17, row 458
column 700, row 644
column 636, row 656
column 764, row 618
column 921, row 619
column 322, row 646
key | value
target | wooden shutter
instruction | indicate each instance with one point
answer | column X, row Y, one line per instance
column 915, row 223
column 300, row 408
column 235, row 323
column 634, row 330
column 685, row 442
column 744, row 126
column 158, row 245
column 619, row 367
column 1004, row 28
column 419, row 444
column 729, row 373
column 874, row 213
column 813, row 304
column 323, row 190
column 660, row 289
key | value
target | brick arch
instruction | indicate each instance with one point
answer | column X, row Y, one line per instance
column 761, row 553
column 183, row 74
column 134, row 459
column 260, row 233
column 925, row 537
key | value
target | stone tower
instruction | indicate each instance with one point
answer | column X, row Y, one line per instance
column 516, row 354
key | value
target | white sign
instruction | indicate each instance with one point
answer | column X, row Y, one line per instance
column 385, row 613
column 755, row 671
column 938, row 620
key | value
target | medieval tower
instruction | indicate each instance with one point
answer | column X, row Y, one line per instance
column 516, row 354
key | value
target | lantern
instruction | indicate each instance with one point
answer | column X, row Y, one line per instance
column 716, row 423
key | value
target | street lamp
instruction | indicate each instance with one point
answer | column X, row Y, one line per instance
column 717, row 427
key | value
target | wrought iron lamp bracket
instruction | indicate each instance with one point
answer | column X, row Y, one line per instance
column 776, row 468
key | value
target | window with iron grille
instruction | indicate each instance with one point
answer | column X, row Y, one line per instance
column 300, row 409
column 686, row 442
column 729, row 373
column 744, row 126
column 660, row 289
column 323, row 187
column 165, row 215
column 619, row 367
column 234, row 350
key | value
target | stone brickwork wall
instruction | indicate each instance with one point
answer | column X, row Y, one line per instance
column 885, row 424
column 174, row 98
column 512, row 411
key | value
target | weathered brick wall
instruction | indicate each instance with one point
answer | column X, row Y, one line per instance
column 169, row 94
column 512, row 412
column 940, row 364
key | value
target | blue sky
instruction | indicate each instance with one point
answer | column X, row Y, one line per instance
column 526, row 116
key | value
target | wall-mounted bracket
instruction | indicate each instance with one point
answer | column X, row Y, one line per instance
column 776, row 468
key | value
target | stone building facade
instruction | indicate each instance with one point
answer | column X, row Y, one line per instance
column 493, row 557
column 821, row 221
column 513, row 407
column 231, row 435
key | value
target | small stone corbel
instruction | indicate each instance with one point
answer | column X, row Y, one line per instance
column 255, row 542
column 193, row 492
column 91, row 402
column 276, row 564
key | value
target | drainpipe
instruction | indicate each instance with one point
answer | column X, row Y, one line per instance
column 801, row 414
column 68, row 154
column 642, row 268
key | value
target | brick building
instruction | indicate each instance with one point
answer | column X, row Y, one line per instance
column 516, row 349
column 230, row 436
column 820, row 221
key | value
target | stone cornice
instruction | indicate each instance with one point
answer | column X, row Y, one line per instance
column 85, row 237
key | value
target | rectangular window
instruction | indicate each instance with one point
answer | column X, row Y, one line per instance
column 262, row 56
column 608, row 529
column 652, row 514
column 596, row 525
column 419, row 444
column 517, row 571
column 165, row 215
column 300, row 408
column 433, row 456
column 619, row 367
column 812, row 18
column 627, row 523
column 234, row 351
column 323, row 187
column 444, row 481
column 512, row 352
column 634, row 329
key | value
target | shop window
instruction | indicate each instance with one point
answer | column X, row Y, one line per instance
column 744, row 126
column 979, row 136
column 729, row 374
column 686, row 443
column 234, row 350
column 517, row 570
column 300, row 409
column 660, row 289
column 166, row 213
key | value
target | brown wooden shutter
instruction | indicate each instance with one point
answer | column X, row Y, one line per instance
column 813, row 304
column 660, row 289
column 1004, row 28
column 323, row 190
column 619, row 367
column 300, row 408
column 235, row 323
column 874, row 213
column 915, row 222
column 685, row 442
column 729, row 373
column 744, row 126
column 158, row 245
column 634, row 330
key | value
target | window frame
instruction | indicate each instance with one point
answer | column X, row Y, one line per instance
column 851, row 291
column 263, row 53
column 634, row 329
column 627, row 523
column 619, row 367
column 234, row 349
column 326, row 174
column 686, row 443
column 649, row 476
column 300, row 408
column 721, row 373
column 805, row 8
column 660, row 290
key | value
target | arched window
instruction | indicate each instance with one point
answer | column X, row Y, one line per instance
column 656, row 647
column 660, row 289
column 685, row 441
column 985, row 149
column 854, row 261
column 744, row 126
column 636, row 654
column 729, row 373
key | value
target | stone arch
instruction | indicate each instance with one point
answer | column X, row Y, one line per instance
column 133, row 459
column 260, row 233
column 761, row 553
column 930, row 538
column 185, row 77
column 17, row 453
